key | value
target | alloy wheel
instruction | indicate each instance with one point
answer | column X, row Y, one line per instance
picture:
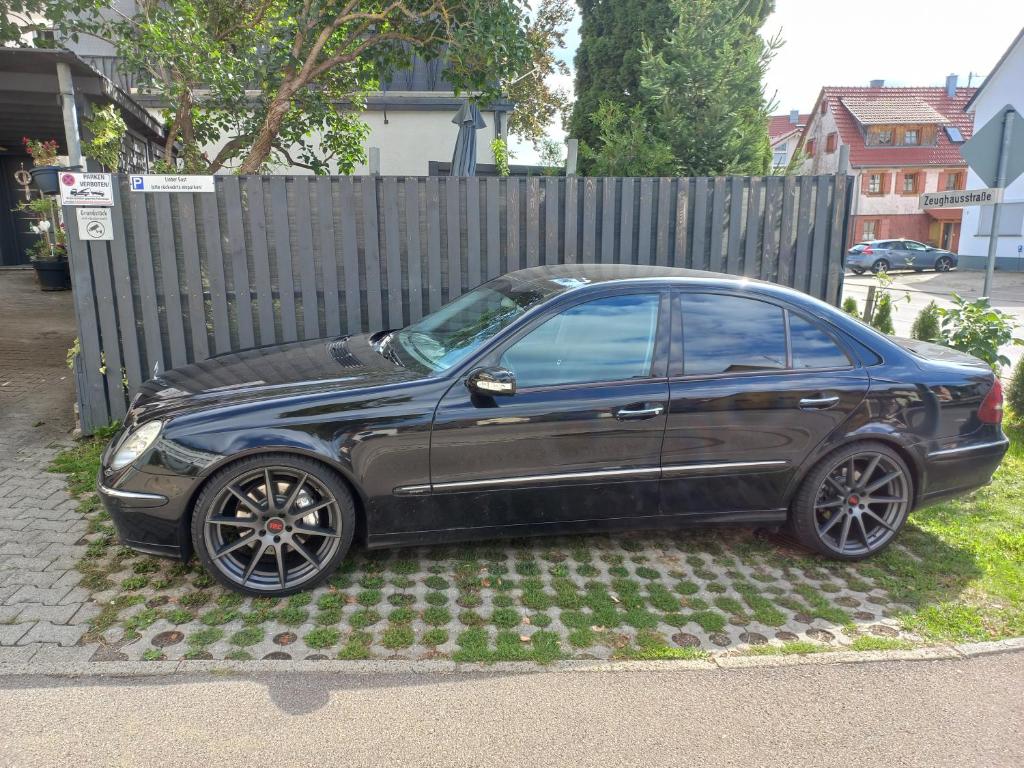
column 880, row 266
column 273, row 528
column 861, row 504
column 943, row 264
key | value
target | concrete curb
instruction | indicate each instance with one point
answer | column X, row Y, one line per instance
column 384, row 667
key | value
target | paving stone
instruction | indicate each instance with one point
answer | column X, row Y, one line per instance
column 45, row 595
column 45, row 632
column 10, row 634
column 56, row 614
column 51, row 653
column 17, row 654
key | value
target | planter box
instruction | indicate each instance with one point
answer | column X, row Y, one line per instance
column 45, row 178
column 53, row 274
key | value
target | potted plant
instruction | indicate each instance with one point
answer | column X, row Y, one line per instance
column 48, row 255
column 44, row 161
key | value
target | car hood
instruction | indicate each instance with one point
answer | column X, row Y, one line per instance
column 345, row 363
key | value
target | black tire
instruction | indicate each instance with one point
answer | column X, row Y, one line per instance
column 817, row 527
column 857, row 270
column 882, row 265
column 302, row 529
column 943, row 264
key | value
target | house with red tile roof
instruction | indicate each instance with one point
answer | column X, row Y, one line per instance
column 902, row 142
column 784, row 135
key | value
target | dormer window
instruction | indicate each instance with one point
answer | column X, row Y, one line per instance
column 911, row 137
column 884, row 137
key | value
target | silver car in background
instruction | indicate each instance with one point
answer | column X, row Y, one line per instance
column 884, row 255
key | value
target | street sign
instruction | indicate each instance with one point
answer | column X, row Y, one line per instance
column 95, row 224
column 961, row 198
column 982, row 150
column 86, row 188
column 171, row 183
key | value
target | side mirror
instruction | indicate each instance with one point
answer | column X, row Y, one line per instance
column 492, row 381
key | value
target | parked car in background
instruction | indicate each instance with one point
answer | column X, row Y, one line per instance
column 884, row 255
column 555, row 399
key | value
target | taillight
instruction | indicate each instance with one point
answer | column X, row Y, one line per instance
column 868, row 251
column 991, row 411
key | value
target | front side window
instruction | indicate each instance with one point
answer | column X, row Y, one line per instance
column 731, row 334
column 812, row 347
column 609, row 339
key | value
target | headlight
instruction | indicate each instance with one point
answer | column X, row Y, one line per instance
column 135, row 444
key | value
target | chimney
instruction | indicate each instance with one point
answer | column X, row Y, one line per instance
column 877, row 84
column 951, row 86
column 794, row 117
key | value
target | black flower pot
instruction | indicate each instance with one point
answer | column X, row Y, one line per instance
column 45, row 178
column 53, row 274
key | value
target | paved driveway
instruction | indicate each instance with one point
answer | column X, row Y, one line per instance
column 923, row 287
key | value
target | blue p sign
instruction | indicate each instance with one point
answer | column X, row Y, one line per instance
column 138, row 183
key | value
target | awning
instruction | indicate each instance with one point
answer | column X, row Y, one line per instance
column 945, row 214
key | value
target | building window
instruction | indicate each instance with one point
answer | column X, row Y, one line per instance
column 885, row 136
column 911, row 137
column 869, row 230
column 952, row 181
column 909, row 183
column 809, row 147
column 831, row 141
column 779, row 158
column 824, row 107
column 875, row 184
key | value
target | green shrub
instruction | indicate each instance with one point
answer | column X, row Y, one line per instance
column 1015, row 393
column 882, row 317
column 926, row 325
column 979, row 329
column 850, row 306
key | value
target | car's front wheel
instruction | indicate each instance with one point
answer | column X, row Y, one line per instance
column 853, row 502
column 273, row 525
column 943, row 264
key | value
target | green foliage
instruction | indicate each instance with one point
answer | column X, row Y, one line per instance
column 850, row 306
column 979, row 329
column 882, row 317
column 501, row 155
column 624, row 145
column 552, row 156
column 107, row 128
column 1015, row 393
column 926, row 324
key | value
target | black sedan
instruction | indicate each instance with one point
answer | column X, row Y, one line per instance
column 576, row 398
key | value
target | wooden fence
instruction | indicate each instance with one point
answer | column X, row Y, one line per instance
column 270, row 259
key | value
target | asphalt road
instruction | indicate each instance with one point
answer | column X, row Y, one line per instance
column 906, row 713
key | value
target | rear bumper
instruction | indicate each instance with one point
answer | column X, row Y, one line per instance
column 954, row 471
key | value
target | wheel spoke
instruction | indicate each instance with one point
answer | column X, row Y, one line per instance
column 233, row 522
column 883, row 500
column 301, row 513
column 268, row 484
column 886, row 479
column 863, row 532
column 252, row 563
column 229, row 548
column 279, row 556
column 879, row 520
column 299, row 547
column 317, row 530
column 851, row 473
column 831, row 524
column 242, row 497
column 830, row 504
column 836, row 484
column 294, row 493
column 845, row 533
column 870, row 470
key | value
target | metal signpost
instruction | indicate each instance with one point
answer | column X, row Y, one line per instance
column 998, row 159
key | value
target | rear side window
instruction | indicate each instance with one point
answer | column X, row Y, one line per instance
column 731, row 334
column 812, row 347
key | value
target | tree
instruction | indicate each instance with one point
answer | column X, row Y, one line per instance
column 926, row 324
column 258, row 77
column 625, row 146
column 609, row 57
column 704, row 86
column 537, row 102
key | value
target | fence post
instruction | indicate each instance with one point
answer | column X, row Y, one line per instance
column 572, row 147
column 374, row 161
column 869, row 304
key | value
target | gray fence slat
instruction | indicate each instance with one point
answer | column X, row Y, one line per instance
column 109, row 337
column 837, row 237
column 283, row 257
column 770, row 231
column 122, row 276
column 715, row 263
column 532, row 221
column 394, row 253
column 350, row 256
column 371, row 253
column 735, row 224
column 680, row 257
column 215, row 269
column 434, row 292
column 646, row 222
column 589, row 254
column 799, row 278
column 147, row 285
column 700, row 223
column 819, row 242
column 474, row 264
column 571, row 218
column 787, row 241
column 307, row 267
column 453, row 219
column 239, row 262
column 169, row 279
column 193, row 278
column 513, row 195
column 493, row 187
column 626, row 254
column 328, row 255
column 96, row 413
column 551, row 205
column 661, row 254
column 751, row 232
column 414, row 255
column 260, row 259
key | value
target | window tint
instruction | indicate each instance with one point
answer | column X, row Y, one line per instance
column 731, row 334
column 603, row 340
column 812, row 347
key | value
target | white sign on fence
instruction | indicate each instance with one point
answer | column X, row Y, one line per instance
column 961, row 198
column 95, row 224
column 86, row 188
column 171, row 183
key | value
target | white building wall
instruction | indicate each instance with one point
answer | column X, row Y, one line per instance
column 818, row 129
column 1003, row 87
column 893, row 204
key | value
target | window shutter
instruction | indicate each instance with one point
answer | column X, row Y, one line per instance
column 865, row 182
column 898, row 182
column 886, row 183
column 943, row 175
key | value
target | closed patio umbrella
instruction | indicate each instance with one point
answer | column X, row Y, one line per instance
column 469, row 120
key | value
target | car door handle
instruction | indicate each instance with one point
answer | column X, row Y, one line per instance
column 818, row 403
column 639, row 413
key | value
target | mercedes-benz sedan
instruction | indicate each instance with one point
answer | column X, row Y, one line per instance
column 554, row 399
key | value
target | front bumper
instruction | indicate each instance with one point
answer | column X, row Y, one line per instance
column 145, row 521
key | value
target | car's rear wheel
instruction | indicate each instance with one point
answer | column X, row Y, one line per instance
column 943, row 264
column 882, row 265
column 857, row 270
column 853, row 502
column 273, row 525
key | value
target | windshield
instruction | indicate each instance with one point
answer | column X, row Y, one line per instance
column 440, row 340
